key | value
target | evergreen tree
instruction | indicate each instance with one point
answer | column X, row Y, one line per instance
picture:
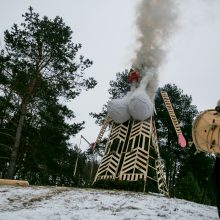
column 39, row 62
column 44, row 157
column 189, row 189
column 200, row 165
column 179, row 162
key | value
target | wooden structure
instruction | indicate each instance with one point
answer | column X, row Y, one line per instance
column 132, row 151
column 109, row 166
column 132, row 154
column 206, row 132
column 102, row 131
column 166, row 99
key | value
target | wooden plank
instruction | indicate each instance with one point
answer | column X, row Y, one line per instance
column 14, row 182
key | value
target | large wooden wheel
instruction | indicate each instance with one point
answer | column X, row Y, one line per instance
column 206, row 132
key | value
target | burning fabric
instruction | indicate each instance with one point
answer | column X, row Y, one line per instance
column 137, row 103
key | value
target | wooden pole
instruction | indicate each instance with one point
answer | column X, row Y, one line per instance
column 92, row 164
column 77, row 157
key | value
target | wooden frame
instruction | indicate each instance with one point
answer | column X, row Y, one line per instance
column 132, row 153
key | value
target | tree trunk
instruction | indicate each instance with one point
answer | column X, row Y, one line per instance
column 5, row 106
column 174, row 176
column 14, row 154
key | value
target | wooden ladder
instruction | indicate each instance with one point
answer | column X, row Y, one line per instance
column 166, row 99
column 102, row 131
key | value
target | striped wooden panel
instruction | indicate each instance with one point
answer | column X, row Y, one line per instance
column 139, row 135
column 108, row 167
column 134, row 165
column 133, row 161
column 118, row 134
column 141, row 128
column 118, row 131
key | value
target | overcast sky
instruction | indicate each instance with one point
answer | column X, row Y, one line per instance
column 106, row 29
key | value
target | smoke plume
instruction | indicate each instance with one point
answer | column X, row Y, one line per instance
column 155, row 22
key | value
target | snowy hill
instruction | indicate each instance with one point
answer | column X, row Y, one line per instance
column 61, row 203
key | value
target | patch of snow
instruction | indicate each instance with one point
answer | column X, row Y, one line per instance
column 62, row 203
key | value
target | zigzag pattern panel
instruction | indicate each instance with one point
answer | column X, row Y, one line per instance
column 134, row 165
column 118, row 131
column 108, row 167
column 141, row 128
column 117, row 138
column 140, row 135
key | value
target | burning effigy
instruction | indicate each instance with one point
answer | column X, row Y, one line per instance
column 138, row 103
column 136, row 138
column 155, row 22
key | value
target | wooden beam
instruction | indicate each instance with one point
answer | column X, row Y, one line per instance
column 14, row 182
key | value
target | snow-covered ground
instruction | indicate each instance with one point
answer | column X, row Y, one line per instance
column 61, row 203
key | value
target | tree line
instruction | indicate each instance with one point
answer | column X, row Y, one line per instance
column 40, row 69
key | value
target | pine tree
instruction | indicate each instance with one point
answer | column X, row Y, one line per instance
column 189, row 189
column 39, row 62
